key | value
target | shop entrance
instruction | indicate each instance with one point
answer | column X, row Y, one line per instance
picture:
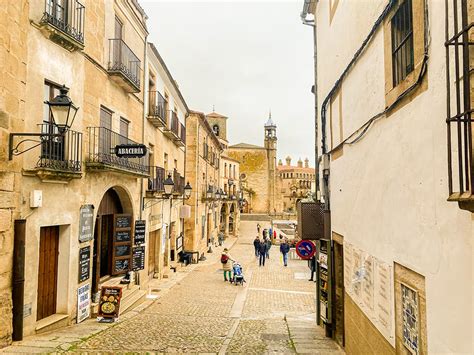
column 112, row 237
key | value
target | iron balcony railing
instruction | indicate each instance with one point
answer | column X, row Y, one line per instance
column 183, row 133
column 123, row 61
column 174, row 123
column 102, row 142
column 67, row 16
column 157, row 106
column 459, row 112
column 62, row 153
column 156, row 179
column 178, row 182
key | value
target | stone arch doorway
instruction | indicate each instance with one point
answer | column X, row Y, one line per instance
column 223, row 218
column 112, row 236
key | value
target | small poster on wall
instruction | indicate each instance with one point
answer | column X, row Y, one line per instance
column 86, row 222
column 84, row 263
column 139, row 232
column 83, row 302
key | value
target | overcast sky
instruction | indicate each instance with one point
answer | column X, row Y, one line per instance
column 245, row 58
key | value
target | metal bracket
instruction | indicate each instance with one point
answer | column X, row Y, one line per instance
column 14, row 150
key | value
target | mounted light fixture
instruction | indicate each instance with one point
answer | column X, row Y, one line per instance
column 62, row 110
column 168, row 185
column 62, row 113
column 187, row 191
column 218, row 194
column 209, row 192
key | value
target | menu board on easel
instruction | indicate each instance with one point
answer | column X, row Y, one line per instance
column 122, row 244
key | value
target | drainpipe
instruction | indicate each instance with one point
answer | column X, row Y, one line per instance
column 18, row 278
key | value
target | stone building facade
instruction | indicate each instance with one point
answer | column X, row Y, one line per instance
column 393, row 172
column 294, row 183
column 203, row 160
column 14, row 27
column 258, row 171
column 165, row 136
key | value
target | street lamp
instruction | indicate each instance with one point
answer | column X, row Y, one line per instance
column 62, row 110
column 62, row 113
column 168, row 185
column 218, row 194
column 187, row 191
column 209, row 192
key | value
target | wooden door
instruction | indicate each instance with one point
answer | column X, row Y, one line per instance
column 153, row 236
column 47, row 272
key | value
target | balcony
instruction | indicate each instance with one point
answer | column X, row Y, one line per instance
column 124, row 65
column 102, row 142
column 178, row 183
column 59, row 158
column 63, row 23
column 181, row 140
column 171, row 130
column 157, row 109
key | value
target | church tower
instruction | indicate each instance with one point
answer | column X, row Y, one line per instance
column 271, row 148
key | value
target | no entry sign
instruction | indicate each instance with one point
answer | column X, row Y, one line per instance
column 305, row 249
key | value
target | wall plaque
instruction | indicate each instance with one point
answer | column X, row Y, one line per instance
column 139, row 232
column 138, row 258
column 86, row 222
column 84, row 263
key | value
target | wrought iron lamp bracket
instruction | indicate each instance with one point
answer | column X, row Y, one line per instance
column 15, row 150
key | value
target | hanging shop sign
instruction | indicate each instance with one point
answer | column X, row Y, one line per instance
column 84, row 263
column 86, row 215
column 305, row 249
column 83, row 302
column 179, row 243
column 109, row 305
column 139, row 232
column 130, row 150
column 138, row 258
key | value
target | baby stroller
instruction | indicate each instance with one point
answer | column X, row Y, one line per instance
column 238, row 278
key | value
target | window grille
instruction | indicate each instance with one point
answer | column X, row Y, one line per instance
column 402, row 42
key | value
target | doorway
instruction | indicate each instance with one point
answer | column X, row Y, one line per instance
column 47, row 272
column 152, row 247
column 339, row 292
column 112, row 237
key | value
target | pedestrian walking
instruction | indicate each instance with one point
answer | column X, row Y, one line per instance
column 226, row 261
column 220, row 238
column 268, row 241
column 264, row 233
column 256, row 244
column 262, row 251
column 258, row 228
column 284, row 249
column 312, row 266
column 274, row 234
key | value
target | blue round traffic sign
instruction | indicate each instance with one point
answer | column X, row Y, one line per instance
column 305, row 249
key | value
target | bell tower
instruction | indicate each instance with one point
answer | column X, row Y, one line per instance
column 271, row 148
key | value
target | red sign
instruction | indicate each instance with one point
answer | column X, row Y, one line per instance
column 305, row 249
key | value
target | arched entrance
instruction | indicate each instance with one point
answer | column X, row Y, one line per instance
column 112, row 236
column 222, row 218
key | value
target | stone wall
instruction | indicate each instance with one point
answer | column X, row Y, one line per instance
column 13, row 56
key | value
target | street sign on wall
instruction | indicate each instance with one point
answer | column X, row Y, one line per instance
column 305, row 249
column 83, row 302
column 130, row 150
column 86, row 214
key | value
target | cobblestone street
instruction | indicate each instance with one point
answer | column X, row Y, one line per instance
column 273, row 312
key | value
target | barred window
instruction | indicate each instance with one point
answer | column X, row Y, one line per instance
column 402, row 42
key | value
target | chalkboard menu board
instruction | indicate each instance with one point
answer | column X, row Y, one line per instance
column 122, row 236
column 138, row 258
column 122, row 244
column 139, row 232
column 123, row 221
column 121, row 265
column 84, row 263
column 122, row 250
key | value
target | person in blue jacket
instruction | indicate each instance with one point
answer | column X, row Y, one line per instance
column 284, row 249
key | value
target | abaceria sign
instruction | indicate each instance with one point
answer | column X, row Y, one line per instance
column 130, row 150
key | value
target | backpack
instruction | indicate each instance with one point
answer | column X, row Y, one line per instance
column 224, row 258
